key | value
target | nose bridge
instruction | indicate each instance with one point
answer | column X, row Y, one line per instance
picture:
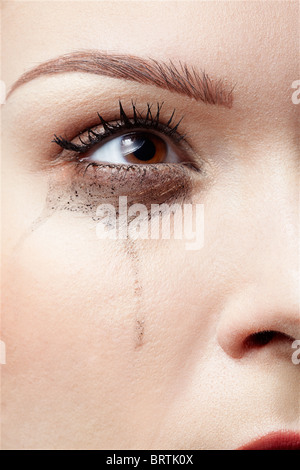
column 272, row 213
column 267, row 298
column 275, row 255
column 275, row 250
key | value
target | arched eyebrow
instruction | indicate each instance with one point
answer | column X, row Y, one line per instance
column 176, row 78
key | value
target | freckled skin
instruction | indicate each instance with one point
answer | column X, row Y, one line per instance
column 114, row 344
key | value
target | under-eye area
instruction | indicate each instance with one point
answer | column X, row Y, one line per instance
column 86, row 188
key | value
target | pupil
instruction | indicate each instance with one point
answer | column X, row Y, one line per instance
column 141, row 147
column 146, row 151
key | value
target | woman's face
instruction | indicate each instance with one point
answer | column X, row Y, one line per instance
column 143, row 343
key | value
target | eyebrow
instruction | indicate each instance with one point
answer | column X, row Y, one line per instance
column 176, row 78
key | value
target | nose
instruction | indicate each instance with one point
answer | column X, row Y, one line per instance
column 263, row 311
column 256, row 319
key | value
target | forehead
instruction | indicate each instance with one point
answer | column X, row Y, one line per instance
column 252, row 43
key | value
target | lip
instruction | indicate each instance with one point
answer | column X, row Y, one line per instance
column 282, row 440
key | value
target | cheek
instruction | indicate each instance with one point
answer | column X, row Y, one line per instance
column 59, row 280
column 81, row 307
column 88, row 328
column 69, row 326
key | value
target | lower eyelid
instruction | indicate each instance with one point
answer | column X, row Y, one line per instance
column 151, row 182
column 145, row 184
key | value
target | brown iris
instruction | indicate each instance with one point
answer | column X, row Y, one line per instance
column 142, row 147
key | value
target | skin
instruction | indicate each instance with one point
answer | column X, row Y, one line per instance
column 141, row 345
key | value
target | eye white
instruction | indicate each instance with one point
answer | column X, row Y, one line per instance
column 115, row 150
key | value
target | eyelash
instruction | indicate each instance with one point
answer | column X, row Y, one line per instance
column 138, row 121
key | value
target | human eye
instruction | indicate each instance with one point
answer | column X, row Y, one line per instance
column 137, row 140
column 138, row 155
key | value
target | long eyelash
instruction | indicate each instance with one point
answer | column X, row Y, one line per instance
column 149, row 121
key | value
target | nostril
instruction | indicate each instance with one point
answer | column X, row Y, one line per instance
column 259, row 339
column 262, row 338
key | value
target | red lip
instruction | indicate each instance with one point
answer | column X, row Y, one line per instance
column 283, row 440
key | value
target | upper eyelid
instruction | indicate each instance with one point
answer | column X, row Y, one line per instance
column 125, row 122
column 193, row 156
